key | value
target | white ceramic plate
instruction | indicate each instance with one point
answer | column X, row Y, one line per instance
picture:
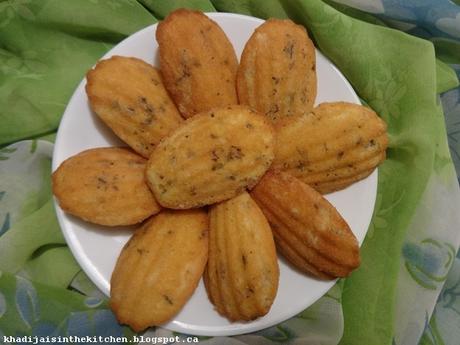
column 96, row 249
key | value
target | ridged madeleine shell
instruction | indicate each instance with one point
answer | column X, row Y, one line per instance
column 159, row 268
column 277, row 72
column 197, row 62
column 214, row 156
column 308, row 230
column 105, row 186
column 242, row 273
column 332, row 147
column 128, row 95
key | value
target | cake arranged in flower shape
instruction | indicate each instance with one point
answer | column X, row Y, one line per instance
column 228, row 166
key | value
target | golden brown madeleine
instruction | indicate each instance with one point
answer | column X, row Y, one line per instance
column 212, row 157
column 242, row 274
column 105, row 186
column 159, row 268
column 129, row 96
column 308, row 230
column 197, row 62
column 332, row 147
column 277, row 72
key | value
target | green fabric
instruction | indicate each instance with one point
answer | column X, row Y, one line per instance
column 45, row 49
column 47, row 46
column 51, row 265
column 31, row 245
column 21, row 241
column 447, row 49
column 355, row 13
column 82, row 284
column 161, row 8
column 256, row 8
column 48, row 137
column 446, row 78
column 42, row 310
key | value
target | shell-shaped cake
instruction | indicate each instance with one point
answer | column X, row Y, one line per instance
column 105, row 186
column 159, row 268
column 308, row 230
column 214, row 156
column 332, row 147
column 277, row 72
column 242, row 274
column 128, row 95
column 197, row 61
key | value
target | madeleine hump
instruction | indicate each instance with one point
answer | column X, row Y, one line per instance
column 159, row 268
column 277, row 73
column 308, row 230
column 335, row 145
column 105, row 186
column 242, row 274
column 214, row 156
column 127, row 94
column 197, row 61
